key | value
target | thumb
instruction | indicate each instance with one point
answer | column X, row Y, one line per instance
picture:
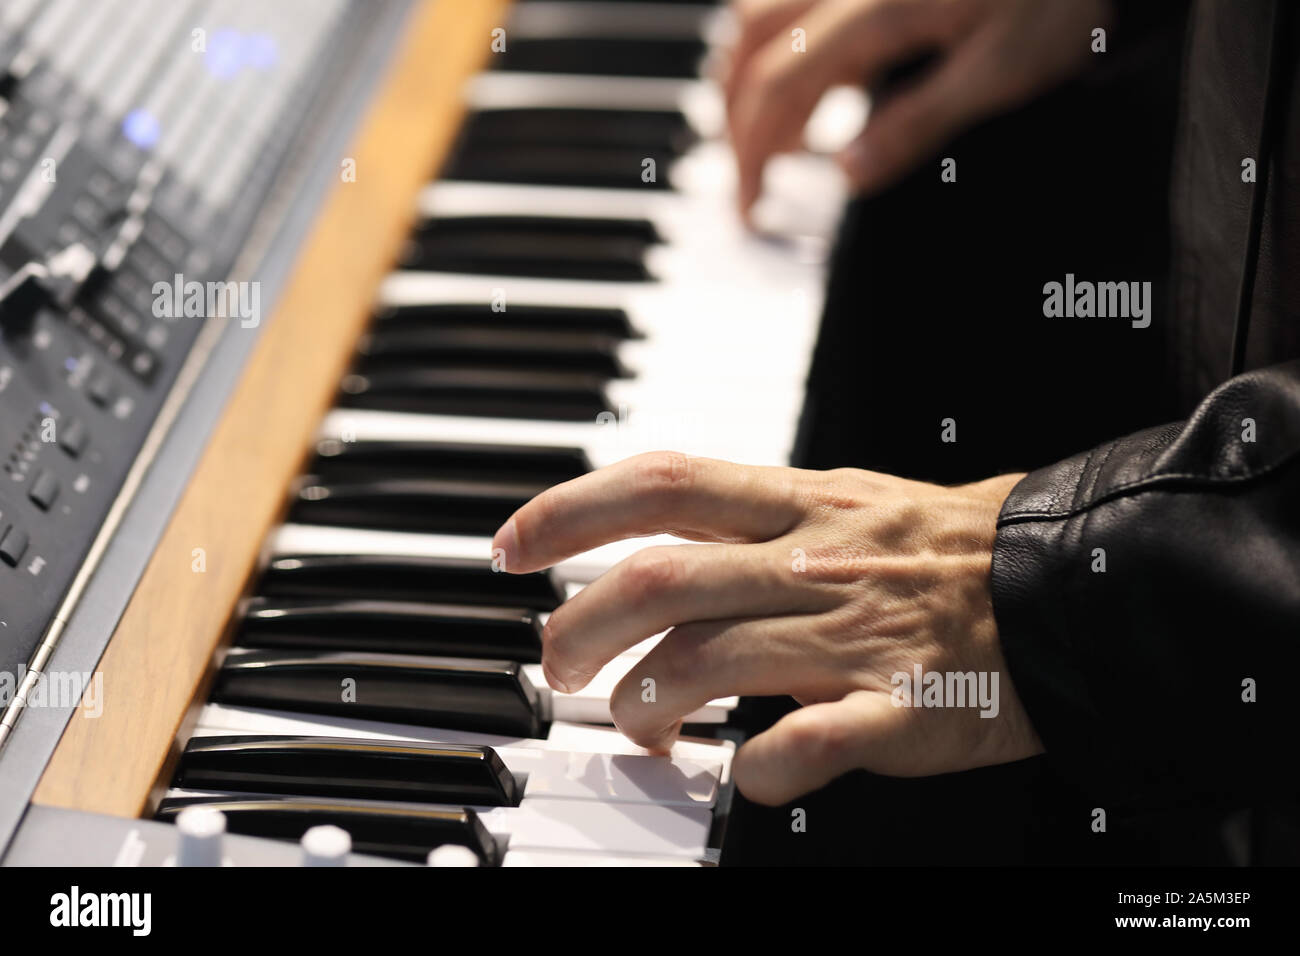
column 810, row 747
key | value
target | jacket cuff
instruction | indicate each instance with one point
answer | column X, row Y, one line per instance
column 1045, row 662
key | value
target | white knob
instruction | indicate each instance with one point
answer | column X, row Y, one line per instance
column 201, row 832
column 326, row 846
column 452, row 854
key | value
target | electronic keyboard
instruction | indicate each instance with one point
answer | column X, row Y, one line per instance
column 300, row 301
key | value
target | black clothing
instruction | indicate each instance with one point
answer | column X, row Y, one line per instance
column 1132, row 676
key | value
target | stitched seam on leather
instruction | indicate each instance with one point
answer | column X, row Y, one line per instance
column 1149, row 483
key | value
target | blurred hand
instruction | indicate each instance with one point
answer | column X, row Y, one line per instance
column 991, row 56
column 821, row 585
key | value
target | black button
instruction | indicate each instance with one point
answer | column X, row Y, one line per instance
column 100, row 390
column 12, row 546
column 44, row 490
column 72, row 437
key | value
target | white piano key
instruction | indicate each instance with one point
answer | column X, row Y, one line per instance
column 520, row 90
column 612, row 828
column 620, row 435
column 614, row 778
column 453, row 198
column 640, row 20
column 328, row 539
column 591, row 704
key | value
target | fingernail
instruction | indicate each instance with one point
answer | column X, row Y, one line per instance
column 505, row 547
column 555, row 682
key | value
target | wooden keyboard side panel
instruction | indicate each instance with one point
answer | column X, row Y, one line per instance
column 158, row 662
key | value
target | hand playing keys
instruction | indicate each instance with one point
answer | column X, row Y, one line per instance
column 819, row 585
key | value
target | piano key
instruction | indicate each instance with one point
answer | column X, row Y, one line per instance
column 542, row 824
column 407, row 831
column 591, row 704
column 458, row 574
column 688, row 753
column 435, row 346
column 696, row 302
column 606, row 441
column 612, row 56
column 467, row 693
column 364, row 548
column 664, row 131
column 560, row 166
column 537, row 769
column 596, row 20
column 392, row 627
column 597, row 321
column 521, row 90
column 555, row 247
column 412, row 504
column 341, row 767
column 558, row 396
column 543, row 466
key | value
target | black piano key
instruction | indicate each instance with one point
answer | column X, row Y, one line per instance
column 347, row 767
column 343, row 461
column 543, row 165
column 408, row 578
column 393, row 627
column 651, row 131
column 429, row 505
column 605, row 56
column 406, row 831
column 541, row 228
column 547, row 247
column 601, row 321
column 486, row 347
column 494, row 393
column 452, row 693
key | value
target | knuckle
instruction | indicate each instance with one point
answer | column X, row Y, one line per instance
column 684, row 662
column 837, row 490
column 819, row 742
column 652, row 573
column 662, row 472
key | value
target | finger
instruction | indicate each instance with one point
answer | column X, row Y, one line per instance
column 781, row 85
column 810, row 747
column 699, row 662
column 657, row 588
column 658, row 492
column 758, row 22
column 913, row 125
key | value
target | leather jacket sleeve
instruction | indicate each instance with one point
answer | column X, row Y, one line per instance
column 1147, row 595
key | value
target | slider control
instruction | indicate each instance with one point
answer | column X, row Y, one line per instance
column 56, row 281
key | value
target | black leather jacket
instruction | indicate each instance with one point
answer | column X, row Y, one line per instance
column 1170, row 675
